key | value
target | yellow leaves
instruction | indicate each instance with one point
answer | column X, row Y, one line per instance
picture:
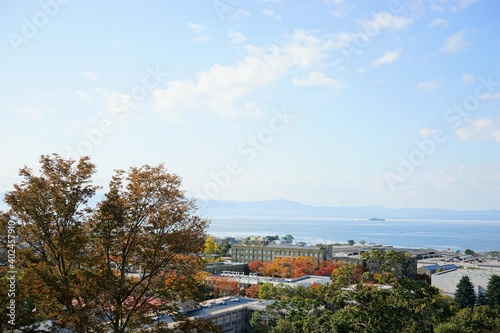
column 211, row 246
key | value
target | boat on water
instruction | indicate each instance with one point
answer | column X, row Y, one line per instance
column 375, row 219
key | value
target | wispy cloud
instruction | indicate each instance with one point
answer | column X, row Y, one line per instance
column 439, row 22
column 468, row 78
column 36, row 113
column 480, row 130
column 462, row 4
column 271, row 14
column 235, row 37
column 36, row 96
column 83, row 95
column 92, row 76
column 387, row 58
column 489, row 96
column 430, row 86
column 116, row 103
column 454, row 43
column 200, row 31
column 317, row 79
column 239, row 13
column 385, row 20
column 221, row 88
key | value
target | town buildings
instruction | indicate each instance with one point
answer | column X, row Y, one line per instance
column 258, row 249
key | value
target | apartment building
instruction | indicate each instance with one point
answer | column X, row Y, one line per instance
column 258, row 249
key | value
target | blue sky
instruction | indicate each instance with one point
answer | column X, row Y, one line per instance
column 325, row 102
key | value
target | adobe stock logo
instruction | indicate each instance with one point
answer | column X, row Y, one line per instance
column 31, row 26
column 139, row 93
column 453, row 116
column 248, row 149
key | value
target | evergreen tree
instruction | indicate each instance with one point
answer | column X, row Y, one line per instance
column 464, row 295
column 493, row 291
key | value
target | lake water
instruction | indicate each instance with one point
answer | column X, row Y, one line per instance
column 439, row 234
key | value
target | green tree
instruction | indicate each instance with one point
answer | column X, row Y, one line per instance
column 493, row 291
column 351, row 242
column 469, row 252
column 465, row 295
column 391, row 261
column 288, row 238
column 225, row 247
column 479, row 319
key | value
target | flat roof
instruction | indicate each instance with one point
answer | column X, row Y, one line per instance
column 212, row 307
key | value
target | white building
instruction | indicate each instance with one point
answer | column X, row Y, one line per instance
column 447, row 281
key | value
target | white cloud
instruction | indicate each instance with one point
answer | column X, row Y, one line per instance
column 489, row 96
column 117, row 104
column 437, row 8
column 468, row 78
column 316, row 79
column 36, row 113
column 334, row 2
column 429, row 86
column 480, row 130
column 221, row 88
column 342, row 39
column 466, row 3
column 271, row 14
column 426, row 132
column 200, row 31
column 235, row 37
column 387, row 58
column 239, row 13
column 439, row 22
column 114, row 44
column 361, row 71
column 454, row 43
column 251, row 110
column 33, row 113
column 92, row 76
column 84, row 96
column 36, row 96
column 385, row 20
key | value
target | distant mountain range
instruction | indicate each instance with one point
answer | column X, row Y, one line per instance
column 286, row 208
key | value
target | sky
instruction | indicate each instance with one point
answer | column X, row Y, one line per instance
column 324, row 102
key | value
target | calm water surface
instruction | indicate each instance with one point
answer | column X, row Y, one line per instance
column 439, row 234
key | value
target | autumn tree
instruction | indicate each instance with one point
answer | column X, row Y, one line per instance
column 252, row 291
column 465, row 296
column 211, row 246
column 326, row 268
column 304, row 266
column 52, row 213
column 223, row 286
column 146, row 234
column 255, row 266
column 104, row 267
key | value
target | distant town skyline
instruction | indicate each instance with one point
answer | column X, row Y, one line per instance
column 323, row 102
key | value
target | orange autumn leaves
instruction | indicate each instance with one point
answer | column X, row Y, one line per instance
column 293, row 267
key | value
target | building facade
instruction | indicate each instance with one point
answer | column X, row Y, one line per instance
column 257, row 249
